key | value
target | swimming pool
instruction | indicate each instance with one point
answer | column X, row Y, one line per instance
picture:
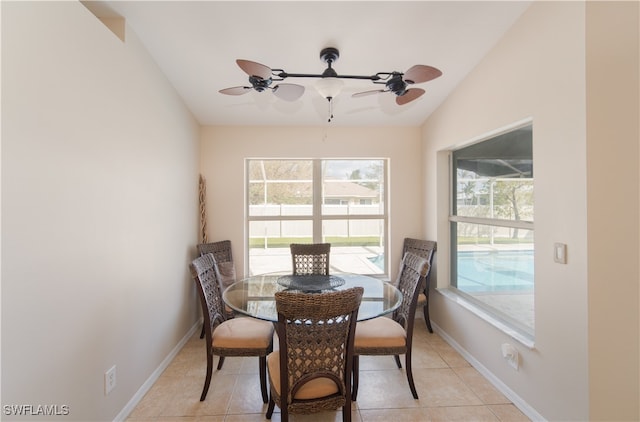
column 495, row 271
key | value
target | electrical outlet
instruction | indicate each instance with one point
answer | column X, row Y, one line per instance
column 511, row 355
column 109, row 380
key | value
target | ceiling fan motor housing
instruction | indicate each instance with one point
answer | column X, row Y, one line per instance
column 329, row 55
column 259, row 84
column 396, row 85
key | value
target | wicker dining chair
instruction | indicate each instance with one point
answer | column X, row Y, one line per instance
column 221, row 251
column 228, row 337
column 393, row 336
column 311, row 370
column 310, row 258
column 425, row 249
column 224, row 259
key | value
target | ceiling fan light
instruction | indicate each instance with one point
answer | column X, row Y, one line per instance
column 329, row 87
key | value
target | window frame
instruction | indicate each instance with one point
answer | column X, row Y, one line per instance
column 317, row 217
column 493, row 315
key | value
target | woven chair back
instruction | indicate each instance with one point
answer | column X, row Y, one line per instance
column 413, row 268
column 316, row 333
column 424, row 249
column 311, row 258
column 221, row 250
column 205, row 275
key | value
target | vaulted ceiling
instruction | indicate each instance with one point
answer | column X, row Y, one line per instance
column 196, row 44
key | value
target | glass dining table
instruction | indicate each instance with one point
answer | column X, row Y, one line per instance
column 254, row 296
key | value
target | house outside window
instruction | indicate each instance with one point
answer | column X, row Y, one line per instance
column 338, row 201
column 492, row 230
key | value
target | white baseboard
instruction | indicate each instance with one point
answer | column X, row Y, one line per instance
column 524, row 407
column 126, row 411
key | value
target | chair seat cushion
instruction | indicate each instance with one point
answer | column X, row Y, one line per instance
column 316, row 388
column 379, row 333
column 244, row 333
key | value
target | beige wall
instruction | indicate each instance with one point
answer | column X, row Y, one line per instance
column 538, row 71
column 225, row 148
column 99, row 212
column 613, row 129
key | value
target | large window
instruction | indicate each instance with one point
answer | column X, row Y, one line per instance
column 342, row 202
column 492, row 226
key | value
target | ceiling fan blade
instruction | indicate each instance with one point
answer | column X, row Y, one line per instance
column 421, row 73
column 254, row 69
column 236, row 90
column 288, row 92
column 409, row 95
column 366, row 93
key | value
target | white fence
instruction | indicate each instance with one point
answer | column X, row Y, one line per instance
column 349, row 227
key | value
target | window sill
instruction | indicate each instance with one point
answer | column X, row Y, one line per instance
column 485, row 313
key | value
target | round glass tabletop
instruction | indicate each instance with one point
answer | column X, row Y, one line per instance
column 254, row 296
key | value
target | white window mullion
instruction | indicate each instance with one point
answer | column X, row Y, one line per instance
column 516, row 224
column 317, row 201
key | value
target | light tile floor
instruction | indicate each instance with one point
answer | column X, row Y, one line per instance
column 449, row 388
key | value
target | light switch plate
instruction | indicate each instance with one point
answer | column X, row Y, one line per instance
column 560, row 253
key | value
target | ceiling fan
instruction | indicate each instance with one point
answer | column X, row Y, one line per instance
column 399, row 83
column 261, row 78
